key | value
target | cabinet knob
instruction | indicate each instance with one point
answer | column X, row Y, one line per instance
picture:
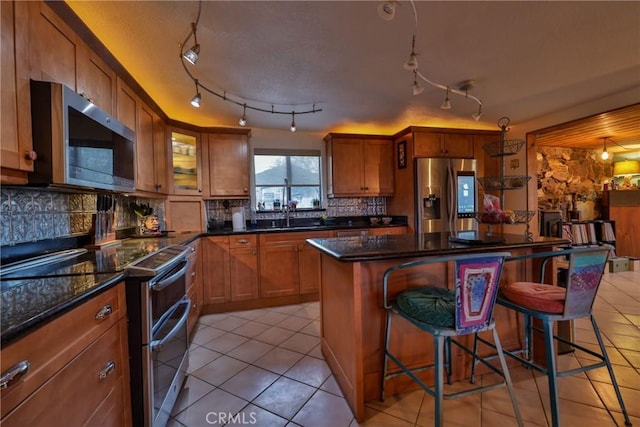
column 14, row 373
column 30, row 155
column 245, row 189
column 107, row 369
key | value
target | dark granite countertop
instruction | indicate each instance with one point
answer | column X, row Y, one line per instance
column 370, row 248
column 29, row 302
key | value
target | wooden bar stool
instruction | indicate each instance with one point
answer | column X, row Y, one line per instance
column 552, row 304
column 448, row 313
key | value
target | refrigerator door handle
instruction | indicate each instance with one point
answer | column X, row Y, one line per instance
column 450, row 197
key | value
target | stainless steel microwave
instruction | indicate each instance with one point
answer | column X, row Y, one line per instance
column 77, row 143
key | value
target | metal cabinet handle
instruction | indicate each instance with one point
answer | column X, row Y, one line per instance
column 14, row 373
column 243, row 241
column 104, row 312
column 108, row 369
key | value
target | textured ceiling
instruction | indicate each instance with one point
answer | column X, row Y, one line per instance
column 528, row 59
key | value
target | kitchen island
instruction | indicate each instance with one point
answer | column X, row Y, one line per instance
column 352, row 316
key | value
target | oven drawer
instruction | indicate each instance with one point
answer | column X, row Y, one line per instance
column 74, row 393
column 52, row 346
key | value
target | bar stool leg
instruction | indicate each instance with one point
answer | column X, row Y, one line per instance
column 387, row 333
column 551, row 372
column 474, row 359
column 627, row 421
column 439, row 381
column 507, row 377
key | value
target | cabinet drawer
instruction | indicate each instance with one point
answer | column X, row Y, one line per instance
column 242, row 241
column 74, row 394
column 52, row 346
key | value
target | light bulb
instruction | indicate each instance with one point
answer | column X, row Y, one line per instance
column 243, row 119
column 605, row 154
column 293, row 122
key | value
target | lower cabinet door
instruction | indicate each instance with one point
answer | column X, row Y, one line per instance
column 279, row 270
column 243, row 272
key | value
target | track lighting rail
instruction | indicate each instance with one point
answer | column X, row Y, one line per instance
column 191, row 56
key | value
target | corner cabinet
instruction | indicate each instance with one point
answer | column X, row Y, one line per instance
column 186, row 163
column 359, row 165
column 227, row 159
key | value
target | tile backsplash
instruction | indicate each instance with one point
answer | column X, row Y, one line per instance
column 32, row 214
column 340, row 206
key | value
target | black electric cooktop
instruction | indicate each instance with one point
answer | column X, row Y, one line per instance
column 75, row 262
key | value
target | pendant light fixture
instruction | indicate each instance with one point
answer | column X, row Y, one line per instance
column 605, row 153
column 191, row 56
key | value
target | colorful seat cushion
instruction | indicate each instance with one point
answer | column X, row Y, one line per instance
column 431, row 305
column 536, row 296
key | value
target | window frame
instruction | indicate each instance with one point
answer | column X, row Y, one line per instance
column 287, row 153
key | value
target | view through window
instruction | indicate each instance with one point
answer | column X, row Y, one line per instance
column 287, row 178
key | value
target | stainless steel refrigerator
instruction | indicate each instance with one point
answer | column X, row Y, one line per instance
column 446, row 195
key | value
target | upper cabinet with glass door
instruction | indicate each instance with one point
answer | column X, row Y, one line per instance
column 185, row 161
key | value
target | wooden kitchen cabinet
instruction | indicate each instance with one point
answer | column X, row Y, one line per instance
column 230, row 268
column 288, row 266
column 67, row 357
column 243, row 267
column 127, row 106
column 227, row 159
column 151, row 151
column 215, row 269
column 15, row 120
column 436, row 144
column 96, row 80
column 359, row 165
column 185, row 160
column 194, row 285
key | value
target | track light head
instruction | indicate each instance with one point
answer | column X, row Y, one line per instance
column 191, row 55
column 476, row 116
column 293, row 122
column 446, row 104
column 387, row 10
column 195, row 101
column 412, row 62
column 243, row 119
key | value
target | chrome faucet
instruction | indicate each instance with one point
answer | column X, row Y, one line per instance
column 287, row 214
column 285, row 203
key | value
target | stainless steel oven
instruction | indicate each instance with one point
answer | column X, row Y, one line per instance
column 157, row 308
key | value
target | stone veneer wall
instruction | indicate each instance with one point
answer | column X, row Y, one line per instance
column 565, row 174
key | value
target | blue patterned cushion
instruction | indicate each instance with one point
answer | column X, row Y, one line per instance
column 435, row 306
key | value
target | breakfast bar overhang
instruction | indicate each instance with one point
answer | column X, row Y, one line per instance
column 352, row 315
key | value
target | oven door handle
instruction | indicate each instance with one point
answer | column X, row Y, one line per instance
column 156, row 345
column 166, row 281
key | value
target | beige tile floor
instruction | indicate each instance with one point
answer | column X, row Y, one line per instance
column 264, row 367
